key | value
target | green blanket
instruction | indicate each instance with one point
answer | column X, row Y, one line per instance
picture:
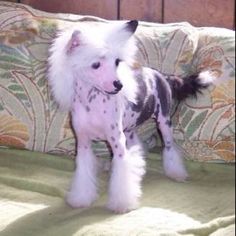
column 33, row 185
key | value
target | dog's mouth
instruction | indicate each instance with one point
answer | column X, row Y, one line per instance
column 112, row 92
column 107, row 92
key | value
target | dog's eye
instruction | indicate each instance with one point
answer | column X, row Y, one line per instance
column 96, row 65
column 117, row 61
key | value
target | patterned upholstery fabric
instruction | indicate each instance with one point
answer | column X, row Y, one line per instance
column 204, row 129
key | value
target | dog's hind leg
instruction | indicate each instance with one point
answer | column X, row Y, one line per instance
column 83, row 190
column 126, row 176
column 173, row 163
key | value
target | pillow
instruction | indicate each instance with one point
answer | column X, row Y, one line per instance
column 167, row 47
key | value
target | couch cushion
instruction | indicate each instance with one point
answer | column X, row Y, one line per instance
column 205, row 127
column 33, row 186
column 29, row 117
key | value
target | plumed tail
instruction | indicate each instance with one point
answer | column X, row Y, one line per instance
column 190, row 86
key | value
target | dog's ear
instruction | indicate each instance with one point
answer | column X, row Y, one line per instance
column 131, row 26
column 74, row 41
column 119, row 33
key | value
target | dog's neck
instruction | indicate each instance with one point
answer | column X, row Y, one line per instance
column 85, row 93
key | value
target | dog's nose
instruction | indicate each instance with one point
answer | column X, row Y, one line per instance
column 118, row 85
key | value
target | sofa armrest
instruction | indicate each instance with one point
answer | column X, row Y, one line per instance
column 205, row 128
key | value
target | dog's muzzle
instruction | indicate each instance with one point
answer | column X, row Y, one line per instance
column 118, row 86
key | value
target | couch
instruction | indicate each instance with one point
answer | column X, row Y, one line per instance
column 37, row 143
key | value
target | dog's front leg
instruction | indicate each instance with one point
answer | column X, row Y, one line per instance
column 83, row 190
column 128, row 168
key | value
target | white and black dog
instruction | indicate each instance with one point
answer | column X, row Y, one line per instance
column 93, row 75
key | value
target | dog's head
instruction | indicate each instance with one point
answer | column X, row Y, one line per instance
column 94, row 54
column 98, row 55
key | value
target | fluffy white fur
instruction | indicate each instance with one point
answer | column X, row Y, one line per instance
column 126, row 76
column 126, row 177
column 206, row 77
column 84, row 184
column 60, row 76
column 173, row 164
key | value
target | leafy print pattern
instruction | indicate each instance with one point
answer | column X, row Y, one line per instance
column 13, row 132
column 29, row 118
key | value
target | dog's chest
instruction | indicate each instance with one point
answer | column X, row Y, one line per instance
column 96, row 111
column 93, row 112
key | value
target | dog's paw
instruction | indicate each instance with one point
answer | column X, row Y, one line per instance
column 76, row 201
column 179, row 174
column 121, row 207
column 173, row 165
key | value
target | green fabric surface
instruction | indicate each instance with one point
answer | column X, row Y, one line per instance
column 33, row 185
